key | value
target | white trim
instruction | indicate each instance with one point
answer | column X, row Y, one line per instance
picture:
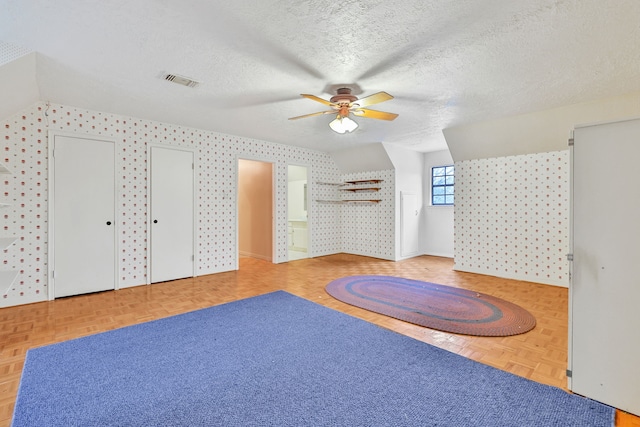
column 51, row 135
column 193, row 151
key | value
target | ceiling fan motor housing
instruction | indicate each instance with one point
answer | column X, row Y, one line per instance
column 344, row 96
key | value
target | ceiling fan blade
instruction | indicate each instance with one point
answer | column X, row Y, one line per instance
column 317, row 99
column 374, row 114
column 312, row 114
column 373, row 99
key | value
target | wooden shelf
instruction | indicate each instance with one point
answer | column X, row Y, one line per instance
column 350, row 201
column 356, row 182
column 355, row 190
column 6, row 242
column 364, row 181
column 355, row 186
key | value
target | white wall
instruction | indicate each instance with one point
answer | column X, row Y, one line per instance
column 296, row 211
column 409, row 168
column 298, row 181
column 437, row 235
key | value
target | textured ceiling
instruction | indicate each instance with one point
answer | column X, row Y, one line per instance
column 447, row 63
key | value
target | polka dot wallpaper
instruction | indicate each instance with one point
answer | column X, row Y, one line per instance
column 512, row 217
column 511, row 214
column 368, row 228
column 25, row 152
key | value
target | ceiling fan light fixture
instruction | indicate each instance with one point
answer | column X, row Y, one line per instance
column 343, row 124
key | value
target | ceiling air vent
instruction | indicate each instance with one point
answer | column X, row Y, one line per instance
column 185, row 81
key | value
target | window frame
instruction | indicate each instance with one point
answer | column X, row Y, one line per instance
column 444, row 186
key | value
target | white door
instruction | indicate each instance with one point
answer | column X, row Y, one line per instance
column 83, row 216
column 172, row 196
column 410, row 224
column 605, row 289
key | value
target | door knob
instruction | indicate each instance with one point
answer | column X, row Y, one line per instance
column 108, row 222
column 155, row 221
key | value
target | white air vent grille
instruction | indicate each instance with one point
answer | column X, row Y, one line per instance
column 185, row 81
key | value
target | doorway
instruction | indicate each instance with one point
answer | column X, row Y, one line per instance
column 297, row 212
column 255, row 209
column 82, row 228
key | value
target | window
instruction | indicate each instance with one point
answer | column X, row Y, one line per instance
column 442, row 181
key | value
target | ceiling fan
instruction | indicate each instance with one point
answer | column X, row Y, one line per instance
column 344, row 103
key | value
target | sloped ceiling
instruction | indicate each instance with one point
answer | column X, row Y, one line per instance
column 537, row 132
column 448, row 64
column 18, row 84
column 369, row 157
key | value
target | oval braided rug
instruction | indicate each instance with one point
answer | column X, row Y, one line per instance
column 445, row 308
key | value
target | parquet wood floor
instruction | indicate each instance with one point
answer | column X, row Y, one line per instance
column 540, row 355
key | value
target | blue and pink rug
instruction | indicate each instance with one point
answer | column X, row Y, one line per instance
column 441, row 307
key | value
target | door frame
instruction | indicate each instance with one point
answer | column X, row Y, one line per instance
column 193, row 207
column 274, row 205
column 309, row 206
column 51, row 135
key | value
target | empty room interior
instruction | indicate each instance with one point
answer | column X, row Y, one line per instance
column 160, row 158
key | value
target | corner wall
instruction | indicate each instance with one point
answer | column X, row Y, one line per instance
column 512, row 217
column 437, row 234
column 369, row 228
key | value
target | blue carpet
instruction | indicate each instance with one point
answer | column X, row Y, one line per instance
column 278, row 360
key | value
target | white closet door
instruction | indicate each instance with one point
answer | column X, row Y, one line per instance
column 83, row 216
column 410, row 224
column 605, row 289
column 172, row 225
